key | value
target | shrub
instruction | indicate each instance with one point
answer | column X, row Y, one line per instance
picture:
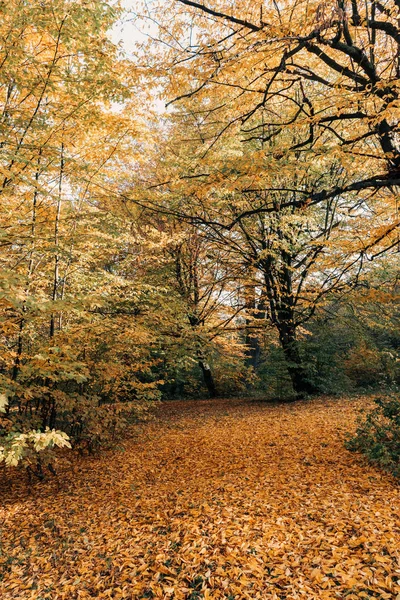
column 31, row 447
column 378, row 435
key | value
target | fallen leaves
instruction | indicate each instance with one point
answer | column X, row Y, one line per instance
column 226, row 500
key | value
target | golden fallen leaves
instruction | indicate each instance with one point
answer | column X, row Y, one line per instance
column 225, row 500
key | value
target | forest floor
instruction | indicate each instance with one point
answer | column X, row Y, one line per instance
column 224, row 500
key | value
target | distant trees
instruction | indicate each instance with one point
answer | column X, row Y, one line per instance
column 207, row 283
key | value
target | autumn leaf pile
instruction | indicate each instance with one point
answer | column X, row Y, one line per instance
column 230, row 499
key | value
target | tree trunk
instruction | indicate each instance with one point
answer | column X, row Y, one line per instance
column 301, row 385
column 282, row 306
column 203, row 364
column 207, row 376
column 20, row 341
column 54, row 294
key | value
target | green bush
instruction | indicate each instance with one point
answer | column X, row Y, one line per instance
column 378, row 435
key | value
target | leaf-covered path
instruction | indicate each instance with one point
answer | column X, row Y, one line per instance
column 213, row 500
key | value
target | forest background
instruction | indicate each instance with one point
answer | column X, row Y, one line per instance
column 244, row 241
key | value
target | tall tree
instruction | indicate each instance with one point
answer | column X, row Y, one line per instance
column 207, row 282
column 275, row 167
column 74, row 354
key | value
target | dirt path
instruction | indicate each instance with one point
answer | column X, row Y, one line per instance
column 228, row 501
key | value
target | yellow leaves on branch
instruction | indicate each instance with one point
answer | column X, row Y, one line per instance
column 20, row 446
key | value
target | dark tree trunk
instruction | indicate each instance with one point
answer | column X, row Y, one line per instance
column 301, row 385
column 17, row 361
column 208, row 377
column 282, row 307
column 203, row 364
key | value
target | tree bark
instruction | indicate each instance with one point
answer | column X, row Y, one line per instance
column 54, row 294
column 208, row 377
column 20, row 341
column 298, row 375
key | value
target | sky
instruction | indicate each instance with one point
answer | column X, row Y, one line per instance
column 129, row 32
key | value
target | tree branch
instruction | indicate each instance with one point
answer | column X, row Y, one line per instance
column 229, row 18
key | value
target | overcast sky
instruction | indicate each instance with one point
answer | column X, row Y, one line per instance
column 130, row 31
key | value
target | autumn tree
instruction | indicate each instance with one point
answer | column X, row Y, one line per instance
column 346, row 53
column 327, row 72
column 76, row 348
column 207, row 282
column 296, row 88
